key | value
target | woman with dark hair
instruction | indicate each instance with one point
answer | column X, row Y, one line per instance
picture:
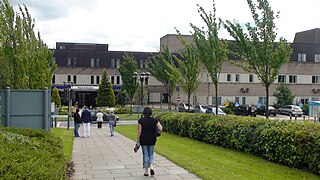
column 147, row 139
column 77, row 122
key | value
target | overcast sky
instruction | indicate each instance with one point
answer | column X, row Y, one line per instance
column 138, row 25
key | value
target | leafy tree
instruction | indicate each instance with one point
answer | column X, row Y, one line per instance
column 211, row 50
column 188, row 69
column 284, row 95
column 256, row 47
column 105, row 92
column 161, row 67
column 25, row 60
column 56, row 97
column 129, row 85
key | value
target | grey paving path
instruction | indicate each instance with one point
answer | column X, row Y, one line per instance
column 105, row 157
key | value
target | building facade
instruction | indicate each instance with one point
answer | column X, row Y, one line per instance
column 83, row 64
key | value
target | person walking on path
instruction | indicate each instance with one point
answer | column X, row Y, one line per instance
column 86, row 119
column 77, row 123
column 99, row 119
column 146, row 137
column 112, row 122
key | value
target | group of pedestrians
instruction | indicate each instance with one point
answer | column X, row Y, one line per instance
column 146, row 135
column 84, row 117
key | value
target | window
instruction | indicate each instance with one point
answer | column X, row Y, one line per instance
column 69, row 62
column 74, row 62
column 141, row 64
column 118, row 79
column 250, row 78
column 69, row 78
column 74, row 79
column 97, row 62
column 304, row 100
column 146, row 64
column 118, row 63
column 92, row 79
column 315, row 79
column 302, row 57
column 228, row 77
column 92, row 62
column 53, row 60
column 214, row 100
column 53, row 79
column 112, row 63
column 112, row 79
column 317, row 58
column 62, row 47
column 237, row 99
column 262, row 100
column 237, row 78
column 98, row 79
column 244, row 100
column 281, row 78
column 292, row 78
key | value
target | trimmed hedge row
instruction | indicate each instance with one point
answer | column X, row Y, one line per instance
column 294, row 144
column 31, row 154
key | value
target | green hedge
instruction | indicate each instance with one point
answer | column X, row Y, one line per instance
column 295, row 144
column 31, row 154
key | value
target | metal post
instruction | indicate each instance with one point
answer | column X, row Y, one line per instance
column 46, row 109
column 8, row 110
column 69, row 99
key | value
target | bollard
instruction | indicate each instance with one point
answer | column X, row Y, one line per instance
column 304, row 117
column 290, row 117
column 295, row 117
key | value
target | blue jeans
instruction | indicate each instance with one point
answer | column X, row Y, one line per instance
column 148, row 158
column 111, row 126
column 76, row 129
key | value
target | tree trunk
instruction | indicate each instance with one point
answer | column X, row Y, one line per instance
column 169, row 105
column 189, row 95
column 267, row 101
column 216, row 93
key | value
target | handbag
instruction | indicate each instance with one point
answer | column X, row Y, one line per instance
column 136, row 147
column 157, row 131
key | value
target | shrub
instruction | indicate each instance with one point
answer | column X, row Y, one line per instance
column 31, row 154
column 291, row 143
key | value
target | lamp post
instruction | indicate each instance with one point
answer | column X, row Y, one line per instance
column 143, row 77
column 69, row 96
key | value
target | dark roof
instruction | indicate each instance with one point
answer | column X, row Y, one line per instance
column 310, row 36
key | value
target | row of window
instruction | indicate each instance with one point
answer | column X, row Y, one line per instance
column 113, row 79
column 95, row 63
column 303, row 58
column 281, row 78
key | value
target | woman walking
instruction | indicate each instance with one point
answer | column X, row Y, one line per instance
column 147, row 139
column 112, row 122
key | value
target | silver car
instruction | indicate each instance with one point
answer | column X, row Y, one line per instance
column 291, row 110
column 200, row 108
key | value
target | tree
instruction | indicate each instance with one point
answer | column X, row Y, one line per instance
column 161, row 67
column 105, row 92
column 121, row 100
column 129, row 85
column 25, row 60
column 188, row 69
column 257, row 48
column 211, row 50
column 56, row 97
column 284, row 95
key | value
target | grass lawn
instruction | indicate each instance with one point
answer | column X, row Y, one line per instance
column 67, row 138
column 128, row 116
column 213, row 162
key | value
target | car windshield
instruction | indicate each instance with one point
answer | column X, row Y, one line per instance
column 205, row 107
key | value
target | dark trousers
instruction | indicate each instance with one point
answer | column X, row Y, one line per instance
column 99, row 124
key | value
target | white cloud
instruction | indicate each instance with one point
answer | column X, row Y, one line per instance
column 128, row 25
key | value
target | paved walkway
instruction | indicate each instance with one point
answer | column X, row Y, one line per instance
column 105, row 157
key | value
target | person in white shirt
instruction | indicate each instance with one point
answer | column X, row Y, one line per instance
column 99, row 119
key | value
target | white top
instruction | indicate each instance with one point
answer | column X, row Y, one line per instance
column 99, row 117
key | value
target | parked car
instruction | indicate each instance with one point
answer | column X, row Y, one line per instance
column 291, row 110
column 212, row 110
column 262, row 111
column 200, row 108
column 184, row 107
column 246, row 110
column 94, row 115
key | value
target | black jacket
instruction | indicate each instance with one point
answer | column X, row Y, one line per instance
column 86, row 116
column 77, row 118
